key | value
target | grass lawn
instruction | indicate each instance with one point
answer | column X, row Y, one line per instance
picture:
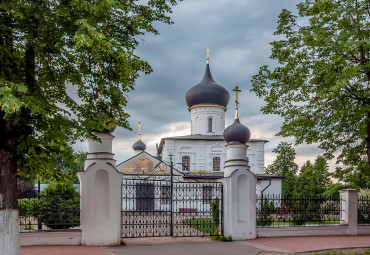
column 289, row 222
column 206, row 225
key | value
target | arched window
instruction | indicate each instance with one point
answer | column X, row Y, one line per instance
column 216, row 164
column 209, row 124
column 185, row 163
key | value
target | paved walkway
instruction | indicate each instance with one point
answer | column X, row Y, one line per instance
column 313, row 243
column 205, row 246
column 63, row 250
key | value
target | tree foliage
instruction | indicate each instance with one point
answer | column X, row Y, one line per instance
column 66, row 68
column 313, row 179
column 284, row 165
column 321, row 85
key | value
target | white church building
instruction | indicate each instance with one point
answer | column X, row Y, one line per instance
column 202, row 153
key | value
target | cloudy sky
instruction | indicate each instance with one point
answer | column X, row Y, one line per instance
column 238, row 33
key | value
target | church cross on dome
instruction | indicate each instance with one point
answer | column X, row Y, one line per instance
column 208, row 50
column 139, row 126
column 236, row 89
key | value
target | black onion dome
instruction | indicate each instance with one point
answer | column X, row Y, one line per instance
column 139, row 146
column 237, row 133
column 207, row 92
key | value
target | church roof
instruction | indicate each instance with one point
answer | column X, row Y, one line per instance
column 219, row 175
column 200, row 137
column 207, row 91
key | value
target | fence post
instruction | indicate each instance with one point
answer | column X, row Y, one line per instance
column 349, row 198
column 239, row 195
column 100, row 194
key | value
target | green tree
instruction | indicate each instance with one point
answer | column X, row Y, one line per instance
column 63, row 168
column 321, row 85
column 356, row 176
column 65, row 69
column 313, row 179
column 284, row 165
column 303, row 185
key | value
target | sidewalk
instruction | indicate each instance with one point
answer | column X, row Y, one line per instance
column 205, row 246
column 312, row 243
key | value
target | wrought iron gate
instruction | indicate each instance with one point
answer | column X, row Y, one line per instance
column 160, row 207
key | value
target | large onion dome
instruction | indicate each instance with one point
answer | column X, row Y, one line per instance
column 237, row 133
column 139, row 146
column 207, row 92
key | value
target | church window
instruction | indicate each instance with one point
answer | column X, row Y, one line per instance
column 209, row 124
column 207, row 194
column 216, row 164
column 165, row 194
column 185, row 163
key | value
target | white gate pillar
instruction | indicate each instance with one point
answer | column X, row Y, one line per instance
column 349, row 199
column 100, row 187
column 239, row 195
column 239, row 183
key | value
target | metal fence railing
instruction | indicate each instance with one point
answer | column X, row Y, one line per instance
column 48, row 212
column 278, row 211
column 363, row 207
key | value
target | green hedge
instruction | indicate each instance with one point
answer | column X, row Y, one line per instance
column 57, row 208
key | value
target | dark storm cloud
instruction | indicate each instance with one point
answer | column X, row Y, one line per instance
column 238, row 32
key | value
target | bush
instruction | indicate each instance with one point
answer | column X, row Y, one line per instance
column 364, row 207
column 59, row 206
column 330, row 207
column 264, row 217
column 215, row 208
column 24, row 189
column 27, row 206
column 305, row 210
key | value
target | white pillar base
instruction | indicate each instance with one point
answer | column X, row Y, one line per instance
column 9, row 232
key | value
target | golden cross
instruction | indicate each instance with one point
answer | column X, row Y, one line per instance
column 208, row 50
column 139, row 126
column 236, row 89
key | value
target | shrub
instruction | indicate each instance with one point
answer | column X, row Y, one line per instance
column 27, row 206
column 282, row 212
column 24, row 189
column 59, row 206
column 364, row 207
column 264, row 217
column 305, row 210
column 215, row 208
column 330, row 207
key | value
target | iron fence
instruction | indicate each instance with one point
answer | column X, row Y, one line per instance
column 159, row 207
column 363, row 207
column 48, row 212
column 280, row 211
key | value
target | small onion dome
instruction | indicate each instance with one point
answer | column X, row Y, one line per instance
column 237, row 133
column 139, row 146
column 207, row 92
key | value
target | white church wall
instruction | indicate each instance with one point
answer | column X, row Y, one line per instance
column 202, row 152
column 273, row 189
column 256, row 156
column 199, row 120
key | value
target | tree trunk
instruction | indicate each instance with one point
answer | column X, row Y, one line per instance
column 9, row 231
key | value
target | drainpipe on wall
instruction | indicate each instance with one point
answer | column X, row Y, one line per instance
column 266, row 188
